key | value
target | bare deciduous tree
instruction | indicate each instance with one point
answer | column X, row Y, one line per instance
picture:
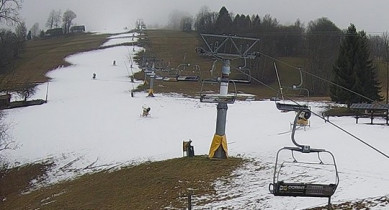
column 9, row 10
column 35, row 30
column 54, row 19
column 5, row 140
column 67, row 20
column 205, row 20
column 21, row 31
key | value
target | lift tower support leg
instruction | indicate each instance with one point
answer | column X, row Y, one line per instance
column 219, row 143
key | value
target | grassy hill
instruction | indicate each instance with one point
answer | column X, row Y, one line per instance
column 151, row 185
column 42, row 55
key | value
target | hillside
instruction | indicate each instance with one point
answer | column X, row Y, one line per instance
column 150, row 185
column 91, row 129
column 43, row 55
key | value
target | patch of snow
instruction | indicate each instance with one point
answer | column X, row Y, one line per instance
column 120, row 39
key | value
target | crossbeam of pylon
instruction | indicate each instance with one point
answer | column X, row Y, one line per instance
column 239, row 47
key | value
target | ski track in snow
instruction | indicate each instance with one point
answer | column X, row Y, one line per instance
column 90, row 125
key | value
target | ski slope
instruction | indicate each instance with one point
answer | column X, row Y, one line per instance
column 93, row 124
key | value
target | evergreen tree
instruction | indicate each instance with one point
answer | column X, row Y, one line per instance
column 354, row 71
column 223, row 22
column 370, row 83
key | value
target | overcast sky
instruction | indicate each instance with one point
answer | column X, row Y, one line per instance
column 97, row 15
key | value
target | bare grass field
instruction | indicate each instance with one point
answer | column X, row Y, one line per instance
column 150, row 185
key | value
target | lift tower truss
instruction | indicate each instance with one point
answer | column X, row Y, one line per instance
column 224, row 48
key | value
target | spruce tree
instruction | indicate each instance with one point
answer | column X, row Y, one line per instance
column 371, row 85
column 354, row 70
column 223, row 22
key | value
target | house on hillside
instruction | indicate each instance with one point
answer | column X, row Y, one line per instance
column 54, row 32
column 77, row 29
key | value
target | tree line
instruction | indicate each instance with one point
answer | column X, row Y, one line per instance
column 318, row 44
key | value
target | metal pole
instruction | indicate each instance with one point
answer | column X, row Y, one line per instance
column 329, row 206
column 222, row 110
column 47, row 91
column 152, row 76
column 151, row 90
column 189, row 201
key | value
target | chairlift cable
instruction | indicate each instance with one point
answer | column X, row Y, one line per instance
column 318, row 77
column 337, row 126
column 352, row 135
column 125, row 64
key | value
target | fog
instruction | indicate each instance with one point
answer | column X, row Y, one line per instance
column 98, row 15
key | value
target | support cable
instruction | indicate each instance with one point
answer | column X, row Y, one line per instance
column 318, row 77
column 333, row 124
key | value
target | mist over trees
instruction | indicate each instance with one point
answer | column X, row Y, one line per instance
column 180, row 21
column 317, row 45
column 35, row 30
column 205, row 20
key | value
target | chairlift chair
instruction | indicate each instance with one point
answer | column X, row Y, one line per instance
column 190, row 74
column 301, row 121
column 169, row 75
column 285, row 107
column 211, row 97
column 280, row 187
column 245, row 72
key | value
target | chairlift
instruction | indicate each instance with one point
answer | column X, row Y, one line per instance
column 301, row 90
column 170, row 75
column 309, row 188
column 285, row 107
column 304, row 92
column 246, row 72
column 189, row 74
column 210, row 96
